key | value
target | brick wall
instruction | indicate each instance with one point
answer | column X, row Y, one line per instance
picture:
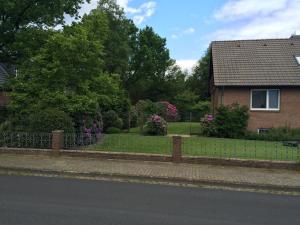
column 288, row 115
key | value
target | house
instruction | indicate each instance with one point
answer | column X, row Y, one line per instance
column 261, row 74
column 5, row 72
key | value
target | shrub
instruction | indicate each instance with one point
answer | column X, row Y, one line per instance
column 200, row 109
column 230, row 122
column 156, row 125
column 50, row 119
column 111, row 119
column 144, row 108
column 113, row 130
column 208, row 125
column 276, row 134
column 168, row 111
column 133, row 117
column 3, row 114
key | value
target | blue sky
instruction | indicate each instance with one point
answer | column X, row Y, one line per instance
column 189, row 26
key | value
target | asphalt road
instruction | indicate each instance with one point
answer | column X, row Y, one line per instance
column 57, row 201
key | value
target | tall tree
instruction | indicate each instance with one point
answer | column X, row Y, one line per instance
column 149, row 65
column 122, row 33
column 67, row 73
column 199, row 81
column 16, row 16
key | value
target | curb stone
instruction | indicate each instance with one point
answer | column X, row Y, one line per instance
column 199, row 182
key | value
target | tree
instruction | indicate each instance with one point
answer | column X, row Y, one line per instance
column 149, row 64
column 199, row 81
column 122, row 34
column 17, row 16
column 67, row 74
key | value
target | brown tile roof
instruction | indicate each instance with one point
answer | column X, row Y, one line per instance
column 265, row 62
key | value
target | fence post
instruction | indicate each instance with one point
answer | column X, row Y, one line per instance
column 57, row 140
column 177, row 144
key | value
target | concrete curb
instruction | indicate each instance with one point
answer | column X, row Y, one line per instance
column 199, row 182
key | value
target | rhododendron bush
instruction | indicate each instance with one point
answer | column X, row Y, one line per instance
column 168, row 111
column 156, row 125
column 229, row 122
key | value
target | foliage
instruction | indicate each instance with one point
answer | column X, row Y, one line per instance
column 48, row 120
column 168, row 111
column 230, row 122
column 111, row 119
column 148, row 67
column 113, row 130
column 66, row 73
column 144, row 109
column 18, row 16
column 3, row 114
column 133, row 117
column 208, row 126
column 156, row 125
column 200, row 109
column 185, row 102
column 276, row 134
column 198, row 83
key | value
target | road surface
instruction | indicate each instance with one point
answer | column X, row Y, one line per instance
column 57, row 201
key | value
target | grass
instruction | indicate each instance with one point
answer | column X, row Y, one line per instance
column 131, row 142
column 196, row 145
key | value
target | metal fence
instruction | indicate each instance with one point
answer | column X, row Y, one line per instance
column 134, row 143
column 240, row 149
column 25, row 140
column 80, row 140
column 40, row 140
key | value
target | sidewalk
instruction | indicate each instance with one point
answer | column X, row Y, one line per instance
column 189, row 173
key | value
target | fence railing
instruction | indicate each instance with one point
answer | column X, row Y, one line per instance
column 25, row 140
column 240, row 149
column 78, row 140
column 134, row 144
column 44, row 140
column 176, row 146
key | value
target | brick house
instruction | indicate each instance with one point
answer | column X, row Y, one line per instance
column 261, row 74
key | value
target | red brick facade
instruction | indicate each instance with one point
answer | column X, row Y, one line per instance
column 288, row 114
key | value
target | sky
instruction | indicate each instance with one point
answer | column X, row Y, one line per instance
column 190, row 25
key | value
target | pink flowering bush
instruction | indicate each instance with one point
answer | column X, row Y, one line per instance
column 168, row 111
column 208, row 125
column 156, row 125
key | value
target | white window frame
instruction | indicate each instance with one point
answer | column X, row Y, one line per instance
column 267, row 106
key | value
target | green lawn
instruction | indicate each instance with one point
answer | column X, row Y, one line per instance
column 197, row 146
column 134, row 143
column 178, row 128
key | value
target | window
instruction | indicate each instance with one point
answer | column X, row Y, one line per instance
column 262, row 130
column 298, row 59
column 265, row 99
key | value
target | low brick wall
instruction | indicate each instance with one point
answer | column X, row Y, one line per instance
column 156, row 157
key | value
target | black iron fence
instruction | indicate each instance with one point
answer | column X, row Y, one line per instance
column 25, row 140
column 241, row 149
column 79, row 140
column 40, row 140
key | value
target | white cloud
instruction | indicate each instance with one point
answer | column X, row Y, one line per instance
column 145, row 11
column 233, row 10
column 278, row 18
column 190, row 30
column 186, row 64
column 187, row 31
column 139, row 14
